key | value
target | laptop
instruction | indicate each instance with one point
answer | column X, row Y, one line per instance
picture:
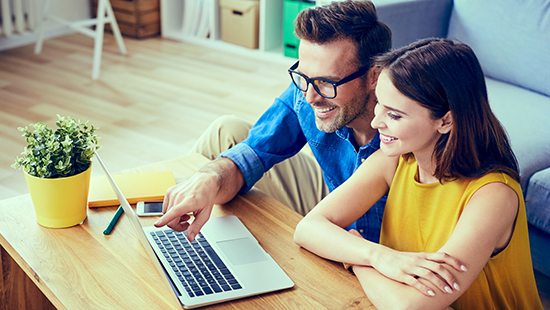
column 224, row 262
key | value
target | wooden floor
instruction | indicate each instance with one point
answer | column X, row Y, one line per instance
column 150, row 105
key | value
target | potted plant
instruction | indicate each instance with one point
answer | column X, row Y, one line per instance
column 57, row 167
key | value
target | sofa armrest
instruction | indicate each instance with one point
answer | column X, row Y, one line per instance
column 411, row 20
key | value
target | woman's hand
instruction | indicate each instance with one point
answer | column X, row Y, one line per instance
column 410, row 268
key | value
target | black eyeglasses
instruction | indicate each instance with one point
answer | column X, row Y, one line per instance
column 323, row 87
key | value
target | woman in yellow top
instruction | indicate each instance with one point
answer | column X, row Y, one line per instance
column 454, row 231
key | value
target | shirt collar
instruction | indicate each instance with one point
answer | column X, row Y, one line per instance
column 346, row 134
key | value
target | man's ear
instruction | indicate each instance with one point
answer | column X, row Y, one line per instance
column 446, row 123
column 372, row 77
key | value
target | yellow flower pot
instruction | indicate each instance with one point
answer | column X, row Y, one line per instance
column 60, row 202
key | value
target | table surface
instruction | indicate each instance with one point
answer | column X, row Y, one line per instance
column 80, row 268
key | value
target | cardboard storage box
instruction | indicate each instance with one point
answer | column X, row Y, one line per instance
column 239, row 22
column 135, row 18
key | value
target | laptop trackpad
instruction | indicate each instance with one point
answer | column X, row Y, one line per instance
column 242, row 251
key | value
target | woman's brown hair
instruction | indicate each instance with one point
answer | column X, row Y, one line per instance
column 443, row 76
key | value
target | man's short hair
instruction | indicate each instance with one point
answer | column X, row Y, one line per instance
column 352, row 19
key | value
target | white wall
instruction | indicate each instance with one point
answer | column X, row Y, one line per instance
column 67, row 9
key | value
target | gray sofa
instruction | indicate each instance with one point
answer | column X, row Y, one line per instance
column 512, row 41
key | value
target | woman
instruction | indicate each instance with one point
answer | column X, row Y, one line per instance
column 454, row 230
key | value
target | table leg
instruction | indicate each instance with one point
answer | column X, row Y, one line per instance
column 17, row 291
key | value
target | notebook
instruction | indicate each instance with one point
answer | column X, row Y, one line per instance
column 145, row 186
column 223, row 263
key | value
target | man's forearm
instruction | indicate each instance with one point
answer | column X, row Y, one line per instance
column 228, row 176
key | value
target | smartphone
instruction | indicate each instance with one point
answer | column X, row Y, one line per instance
column 149, row 208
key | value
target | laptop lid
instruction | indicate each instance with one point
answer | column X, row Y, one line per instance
column 236, row 246
column 132, row 217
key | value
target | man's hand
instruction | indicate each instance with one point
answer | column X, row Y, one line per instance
column 215, row 183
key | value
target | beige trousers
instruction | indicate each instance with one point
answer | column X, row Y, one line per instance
column 296, row 182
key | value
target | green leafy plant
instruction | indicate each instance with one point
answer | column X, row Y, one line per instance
column 67, row 151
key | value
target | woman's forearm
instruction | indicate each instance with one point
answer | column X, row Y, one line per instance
column 386, row 293
column 320, row 236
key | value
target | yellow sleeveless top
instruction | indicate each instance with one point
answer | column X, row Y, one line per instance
column 421, row 217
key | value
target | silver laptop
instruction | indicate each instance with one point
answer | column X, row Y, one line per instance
column 224, row 262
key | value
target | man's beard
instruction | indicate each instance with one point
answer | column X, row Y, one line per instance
column 356, row 108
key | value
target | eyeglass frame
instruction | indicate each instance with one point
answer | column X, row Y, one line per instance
column 360, row 72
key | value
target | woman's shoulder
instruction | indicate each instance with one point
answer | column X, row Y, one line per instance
column 381, row 164
column 496, row 177
column 500, row 188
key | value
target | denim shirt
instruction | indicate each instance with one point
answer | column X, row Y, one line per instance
column 283, row 130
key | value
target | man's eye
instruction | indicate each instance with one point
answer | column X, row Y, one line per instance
column 320, row 83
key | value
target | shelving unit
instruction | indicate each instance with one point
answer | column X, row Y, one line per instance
column 270, row 30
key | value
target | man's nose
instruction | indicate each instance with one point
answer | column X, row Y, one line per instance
column 312, row 96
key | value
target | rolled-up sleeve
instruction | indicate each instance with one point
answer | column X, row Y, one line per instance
column 276, row 136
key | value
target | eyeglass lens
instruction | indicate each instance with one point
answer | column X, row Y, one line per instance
column 325, row 89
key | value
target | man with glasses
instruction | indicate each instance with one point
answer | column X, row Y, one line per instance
column 329, row 106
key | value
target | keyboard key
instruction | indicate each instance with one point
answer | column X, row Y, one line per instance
column 213, row 255
column 198, row 293
column 222, row 282
column 207, row 290
column 228, row 277
column 225, row 271
column 195, row 288
column 216, row 288
column 226, row 288
column 208, row 276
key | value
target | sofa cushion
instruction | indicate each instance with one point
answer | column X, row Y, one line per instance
column 540, row 249
column 525, row 116
column 410, row 20
column 537, row 200
column 511, row 39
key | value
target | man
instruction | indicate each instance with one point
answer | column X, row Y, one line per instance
column 329, row 105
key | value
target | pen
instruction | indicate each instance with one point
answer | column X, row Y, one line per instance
column 114, row 220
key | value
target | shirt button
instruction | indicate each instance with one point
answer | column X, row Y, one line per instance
column 363, row 160
column 361, row 230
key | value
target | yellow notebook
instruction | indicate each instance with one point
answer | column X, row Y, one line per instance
column 136, row 187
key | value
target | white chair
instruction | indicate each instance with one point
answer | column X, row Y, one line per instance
column 104, row 15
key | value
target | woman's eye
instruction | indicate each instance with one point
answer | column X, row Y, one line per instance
column 394, row 116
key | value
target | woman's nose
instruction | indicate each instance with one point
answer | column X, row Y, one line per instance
column 377, row 120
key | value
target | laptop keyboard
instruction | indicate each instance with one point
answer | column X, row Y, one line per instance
column 199, row 269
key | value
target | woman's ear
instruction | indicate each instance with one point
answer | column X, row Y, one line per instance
column 446, row 123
